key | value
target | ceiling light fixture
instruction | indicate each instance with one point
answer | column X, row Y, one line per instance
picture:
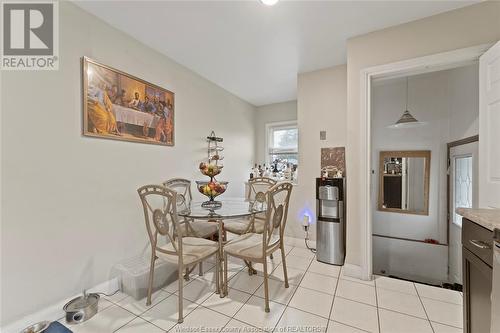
column 269, row 2
column 407, row 120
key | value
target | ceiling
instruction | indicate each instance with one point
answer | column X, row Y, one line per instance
column 252, row 50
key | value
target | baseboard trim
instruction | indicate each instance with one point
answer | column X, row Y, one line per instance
column 55, row 312
column 299, row 242
column 354, row 271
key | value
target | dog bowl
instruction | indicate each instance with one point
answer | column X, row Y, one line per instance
column 81, row 308
column 37, row 328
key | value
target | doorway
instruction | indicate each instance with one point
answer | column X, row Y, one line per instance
column 410, row 171
column 364, row 269
column 463, row 162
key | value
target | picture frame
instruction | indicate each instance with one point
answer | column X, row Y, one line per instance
column 120, row 106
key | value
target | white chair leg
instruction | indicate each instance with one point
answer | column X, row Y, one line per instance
column 151, row 275
column 225, row 275
column 181, row 290
column 217, row 268
column 266, row 286
column 283, row 262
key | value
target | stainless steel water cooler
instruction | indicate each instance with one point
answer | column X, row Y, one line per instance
column 330, row 227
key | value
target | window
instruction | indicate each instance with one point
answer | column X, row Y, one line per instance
column 283, row 144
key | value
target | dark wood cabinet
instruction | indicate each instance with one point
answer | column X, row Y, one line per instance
column 477, row 254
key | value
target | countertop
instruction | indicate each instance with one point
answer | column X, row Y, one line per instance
column 488, row 218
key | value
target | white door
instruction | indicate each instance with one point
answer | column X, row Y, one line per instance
column 489, row 128
column 463, row 173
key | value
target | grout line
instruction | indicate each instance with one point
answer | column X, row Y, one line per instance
column 352, row 300
column 396, row 291
column 254, row 294
column 128, row 322
column 438, row 300
column 353, row 281
column 376, row 302
column 260, row 285
column 135, row 316
column 423, row 307
column 357, row 328
column 297, row 286
column 184, row 316
column 402, row 313
column 243, row 303
column 164, row 330
column 312, row 313
column 294, row 292
column 386, row 309
column 331, row 310
column 172, row 295
column 452, row 326
column 333, row 300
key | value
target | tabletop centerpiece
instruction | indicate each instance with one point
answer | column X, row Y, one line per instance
column 212, row 168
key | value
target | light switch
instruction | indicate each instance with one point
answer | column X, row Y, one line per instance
column 322, row 135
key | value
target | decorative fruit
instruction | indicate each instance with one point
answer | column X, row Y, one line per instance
column 210, row 170
column 212, row 188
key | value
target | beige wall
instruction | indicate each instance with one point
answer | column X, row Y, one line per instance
column 286, row 111
column 70, row 209
column 469, row 26
column 321, row 102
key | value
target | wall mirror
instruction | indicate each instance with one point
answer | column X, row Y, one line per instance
column 404, row 181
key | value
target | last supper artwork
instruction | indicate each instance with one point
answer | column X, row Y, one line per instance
column 122, row 107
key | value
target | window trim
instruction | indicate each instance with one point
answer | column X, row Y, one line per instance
column 279, row 125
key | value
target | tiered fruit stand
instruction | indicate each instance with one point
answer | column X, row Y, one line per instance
column 212, row 168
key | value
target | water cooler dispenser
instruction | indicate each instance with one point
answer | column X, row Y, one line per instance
column 330, row 227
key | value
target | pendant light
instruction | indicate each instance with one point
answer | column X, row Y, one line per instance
column 269, row 2
column 407, row 120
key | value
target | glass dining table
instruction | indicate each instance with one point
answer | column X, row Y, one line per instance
column 226, row 209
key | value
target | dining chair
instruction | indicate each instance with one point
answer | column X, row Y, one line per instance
column 256, row 247
column 257, row 186
column 167, row 242
column 190, row 227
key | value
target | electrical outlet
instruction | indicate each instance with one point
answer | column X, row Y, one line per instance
column 305, row 222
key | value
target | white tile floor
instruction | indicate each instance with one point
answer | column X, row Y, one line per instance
column 320, row 298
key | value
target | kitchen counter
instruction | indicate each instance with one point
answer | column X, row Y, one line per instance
column 488, row 218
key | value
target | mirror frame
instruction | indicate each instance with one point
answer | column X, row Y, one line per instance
column 405, row 153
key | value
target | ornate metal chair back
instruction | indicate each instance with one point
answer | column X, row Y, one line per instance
column 257, row 188
column 183, row 188
column 160, row 214
column 278, row 201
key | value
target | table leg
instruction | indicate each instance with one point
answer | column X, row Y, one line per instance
column 251, row 270
column 222, row 283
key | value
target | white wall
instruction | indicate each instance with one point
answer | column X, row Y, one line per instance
column 286, row 111
column 440, row 33
column 439, row 99
column 410, row 260
column 463, row 90
column 321, row 101
column 70, row 209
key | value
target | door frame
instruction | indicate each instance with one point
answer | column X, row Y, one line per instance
column 449, row 145
column 419, row 65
